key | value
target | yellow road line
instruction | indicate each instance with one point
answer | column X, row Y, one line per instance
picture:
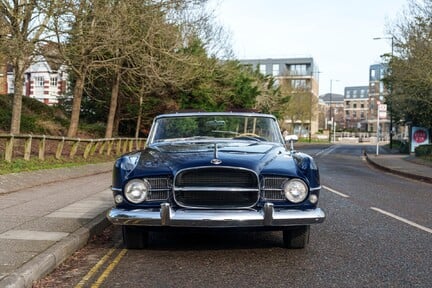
column 108, row 270
column 94, row 269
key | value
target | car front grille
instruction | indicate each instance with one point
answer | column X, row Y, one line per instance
column 272, row 188
column 216, row 188
column 159, row 188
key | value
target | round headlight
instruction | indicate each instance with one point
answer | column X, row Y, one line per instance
column 295, row 190
column 136, row 190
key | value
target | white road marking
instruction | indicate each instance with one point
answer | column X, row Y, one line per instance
column 403, row 220
column 326, row 151
column 336, row 192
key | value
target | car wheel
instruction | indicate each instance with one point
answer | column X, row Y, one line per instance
column 296, row 237
column 135, row 237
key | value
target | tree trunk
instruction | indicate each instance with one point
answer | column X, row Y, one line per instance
column 138, row 125
column 76, row 106
column 17, row 99
column 113, row 105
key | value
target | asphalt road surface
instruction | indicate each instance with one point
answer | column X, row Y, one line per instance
column 377, row 233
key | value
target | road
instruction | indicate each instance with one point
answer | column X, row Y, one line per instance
column 377, row 233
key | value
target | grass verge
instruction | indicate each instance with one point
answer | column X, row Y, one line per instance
column 21, row 165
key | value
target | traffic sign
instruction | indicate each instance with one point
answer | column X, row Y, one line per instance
column 382, row 110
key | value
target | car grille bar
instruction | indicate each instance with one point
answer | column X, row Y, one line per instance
column 216, row 188
column 272, row 188
column 159, row 188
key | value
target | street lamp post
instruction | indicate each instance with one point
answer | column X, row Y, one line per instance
column 330, row 104
column 311, row 104
column 390, row 91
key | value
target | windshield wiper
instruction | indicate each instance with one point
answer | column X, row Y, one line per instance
column 250, row 137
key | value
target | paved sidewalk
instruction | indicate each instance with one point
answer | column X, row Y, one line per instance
column 400, row 164
column 36, row 238
column 39, row 231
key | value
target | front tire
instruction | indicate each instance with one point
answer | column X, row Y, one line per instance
column 296, row 237
column 135, row 237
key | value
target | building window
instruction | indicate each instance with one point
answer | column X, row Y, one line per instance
column 275, row 70
column 53, row 81
column 299, row 69
column 39, row 81
column 11, row 86
column 299, row 84
column 373, row 74
column 262, row 69
column 381, row 87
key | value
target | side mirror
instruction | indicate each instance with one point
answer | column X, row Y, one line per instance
column 291, row 139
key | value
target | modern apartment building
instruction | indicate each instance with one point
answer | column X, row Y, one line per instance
column 333, row 111
column 356, row 106
column 377, row 94
column 303, row 75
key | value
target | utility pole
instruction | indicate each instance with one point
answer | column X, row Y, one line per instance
column 390, row 91
column 330, row 104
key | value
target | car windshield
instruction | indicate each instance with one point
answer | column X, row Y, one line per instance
column 203, row 127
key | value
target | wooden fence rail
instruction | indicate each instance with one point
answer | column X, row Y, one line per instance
column 41, row 146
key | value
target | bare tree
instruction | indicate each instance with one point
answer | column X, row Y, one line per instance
column 153, row 55
column 25, row 24
column 298, row 108
column 128, row 41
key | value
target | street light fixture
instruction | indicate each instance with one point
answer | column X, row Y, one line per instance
column 390, row 91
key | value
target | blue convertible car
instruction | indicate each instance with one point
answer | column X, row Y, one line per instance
column 216, row 170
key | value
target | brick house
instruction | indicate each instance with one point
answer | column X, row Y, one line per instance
column 45, row 80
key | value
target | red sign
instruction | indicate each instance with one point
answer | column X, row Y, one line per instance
column 420, row 136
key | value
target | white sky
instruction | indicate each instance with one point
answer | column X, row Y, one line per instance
column 338, row 34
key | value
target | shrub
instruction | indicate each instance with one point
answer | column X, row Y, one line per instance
column 423, row 150
column 403, row 146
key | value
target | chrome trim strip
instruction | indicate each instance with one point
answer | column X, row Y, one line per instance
column 116, row 189
column 216, row 189
column 167, row 216
column 315, row 188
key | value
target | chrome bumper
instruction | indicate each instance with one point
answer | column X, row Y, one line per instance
column 167, row 216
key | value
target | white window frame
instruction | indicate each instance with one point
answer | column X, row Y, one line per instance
column 38, row 81
column 53, row 81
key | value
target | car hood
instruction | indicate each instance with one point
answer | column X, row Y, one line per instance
column 256, row 156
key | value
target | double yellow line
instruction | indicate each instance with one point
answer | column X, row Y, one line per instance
column 104, row 273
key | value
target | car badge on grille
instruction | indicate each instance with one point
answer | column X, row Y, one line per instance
column 216, row 161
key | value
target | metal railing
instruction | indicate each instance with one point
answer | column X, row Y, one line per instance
column 42, row 146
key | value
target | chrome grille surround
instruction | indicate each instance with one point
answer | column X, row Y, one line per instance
column 272, row 188
column 160, row 188
column 219, row 187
